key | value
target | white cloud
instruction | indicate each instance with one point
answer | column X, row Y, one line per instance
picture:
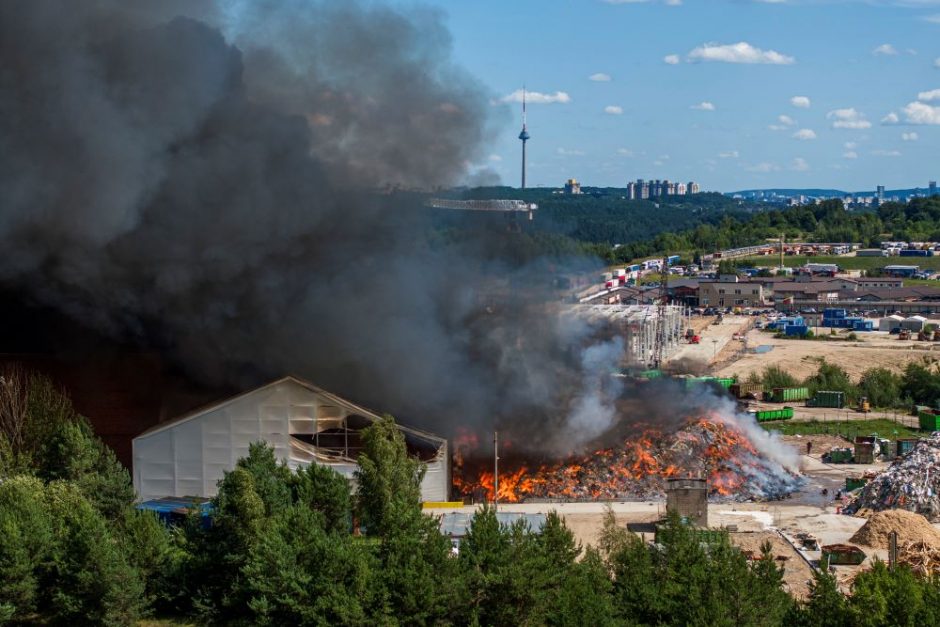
column 599, row 77
column 936, row 63
column 671, row 59
column 886, row 153
column 801, row 102
column 848, row 118
column 891, row 118
column 534, row 97
column 933, row 19
column 703, row 106
column 786, row 120
column 495, row 158
column 625, row 152
column 799, row 165
column 564, row 152
column 850, row 154
column 920, row 113
column 731, row 154
column 741, row 52
column 763, row 167
column 929, row 96
column 885, row 49
column 613, row 110
column 909, row 137
column 804, row 134
column 850, row 145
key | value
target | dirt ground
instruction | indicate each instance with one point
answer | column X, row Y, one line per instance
column 797, row 573
column 800, row 357
column 716, row 340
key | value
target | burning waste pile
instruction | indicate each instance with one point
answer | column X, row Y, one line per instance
column 911, row 483
column 714, row 448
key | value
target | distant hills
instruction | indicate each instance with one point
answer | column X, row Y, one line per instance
column 817, row 193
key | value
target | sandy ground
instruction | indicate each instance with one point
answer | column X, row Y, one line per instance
column 797, row 572
column 716, row 339
column 800, row 357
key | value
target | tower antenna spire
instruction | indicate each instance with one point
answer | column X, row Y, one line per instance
column 524, row 135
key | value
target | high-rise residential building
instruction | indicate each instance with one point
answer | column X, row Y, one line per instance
column 572, row 186
column 880, row 194
column 932, row 188
column 642, row 190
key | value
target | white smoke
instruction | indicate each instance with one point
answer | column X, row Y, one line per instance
column 594, row 411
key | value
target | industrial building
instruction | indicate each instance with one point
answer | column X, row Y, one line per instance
column 187, row 456
column 637, row 325
column 730, row 294
column 689, row 499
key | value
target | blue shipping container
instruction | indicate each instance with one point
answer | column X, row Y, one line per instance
column 834, row 313
column 915, row 253
column 794, row 329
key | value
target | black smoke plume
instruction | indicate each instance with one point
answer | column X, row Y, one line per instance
column 212, row 179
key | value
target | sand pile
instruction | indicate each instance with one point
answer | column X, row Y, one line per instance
column 912, row 528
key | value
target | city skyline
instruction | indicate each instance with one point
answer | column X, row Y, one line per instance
column 736, row 94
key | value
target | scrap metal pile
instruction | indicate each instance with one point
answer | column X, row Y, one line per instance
column 911, row 483
column 639, row 469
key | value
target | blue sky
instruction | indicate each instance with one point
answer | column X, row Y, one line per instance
column 705, row 114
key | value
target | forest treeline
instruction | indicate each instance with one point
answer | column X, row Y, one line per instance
column 615, row 230
column 280, row 549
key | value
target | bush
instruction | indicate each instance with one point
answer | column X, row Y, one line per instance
column 776, row 377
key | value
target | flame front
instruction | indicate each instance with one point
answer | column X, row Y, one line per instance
column 707, row 447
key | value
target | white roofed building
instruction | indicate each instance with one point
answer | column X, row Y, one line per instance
column 187, row 456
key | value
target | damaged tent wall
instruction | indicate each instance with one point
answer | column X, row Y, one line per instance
column 304, row 424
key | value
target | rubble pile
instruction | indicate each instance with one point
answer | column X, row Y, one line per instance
column 911, row 529
column 912, row 483
column 640, row 469
column 922, row 557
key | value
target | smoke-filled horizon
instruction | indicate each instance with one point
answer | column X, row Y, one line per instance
column 202, row 178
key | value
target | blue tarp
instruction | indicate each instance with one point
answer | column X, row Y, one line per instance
column 174, row 510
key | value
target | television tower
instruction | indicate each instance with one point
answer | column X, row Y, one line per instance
column 524, row 136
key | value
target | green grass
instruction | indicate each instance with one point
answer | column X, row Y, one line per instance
column 846, row 263
column 884, row 428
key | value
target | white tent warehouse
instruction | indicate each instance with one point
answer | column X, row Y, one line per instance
column 187, row 456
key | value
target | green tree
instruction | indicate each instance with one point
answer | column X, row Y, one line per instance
column 74, row 454
column 389, row 479
column 777, row 377
column 324, row 490
column 216, row 556
column 26, row 543
column 831, row 377
column 299, row 574
column 882, row 387
column 89, row 580
column 826, row 605
column 883, row 596
column 921, row 383
column 271, row 480
column 32, row 410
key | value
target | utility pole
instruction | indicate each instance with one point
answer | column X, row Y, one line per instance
column 495, row 470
